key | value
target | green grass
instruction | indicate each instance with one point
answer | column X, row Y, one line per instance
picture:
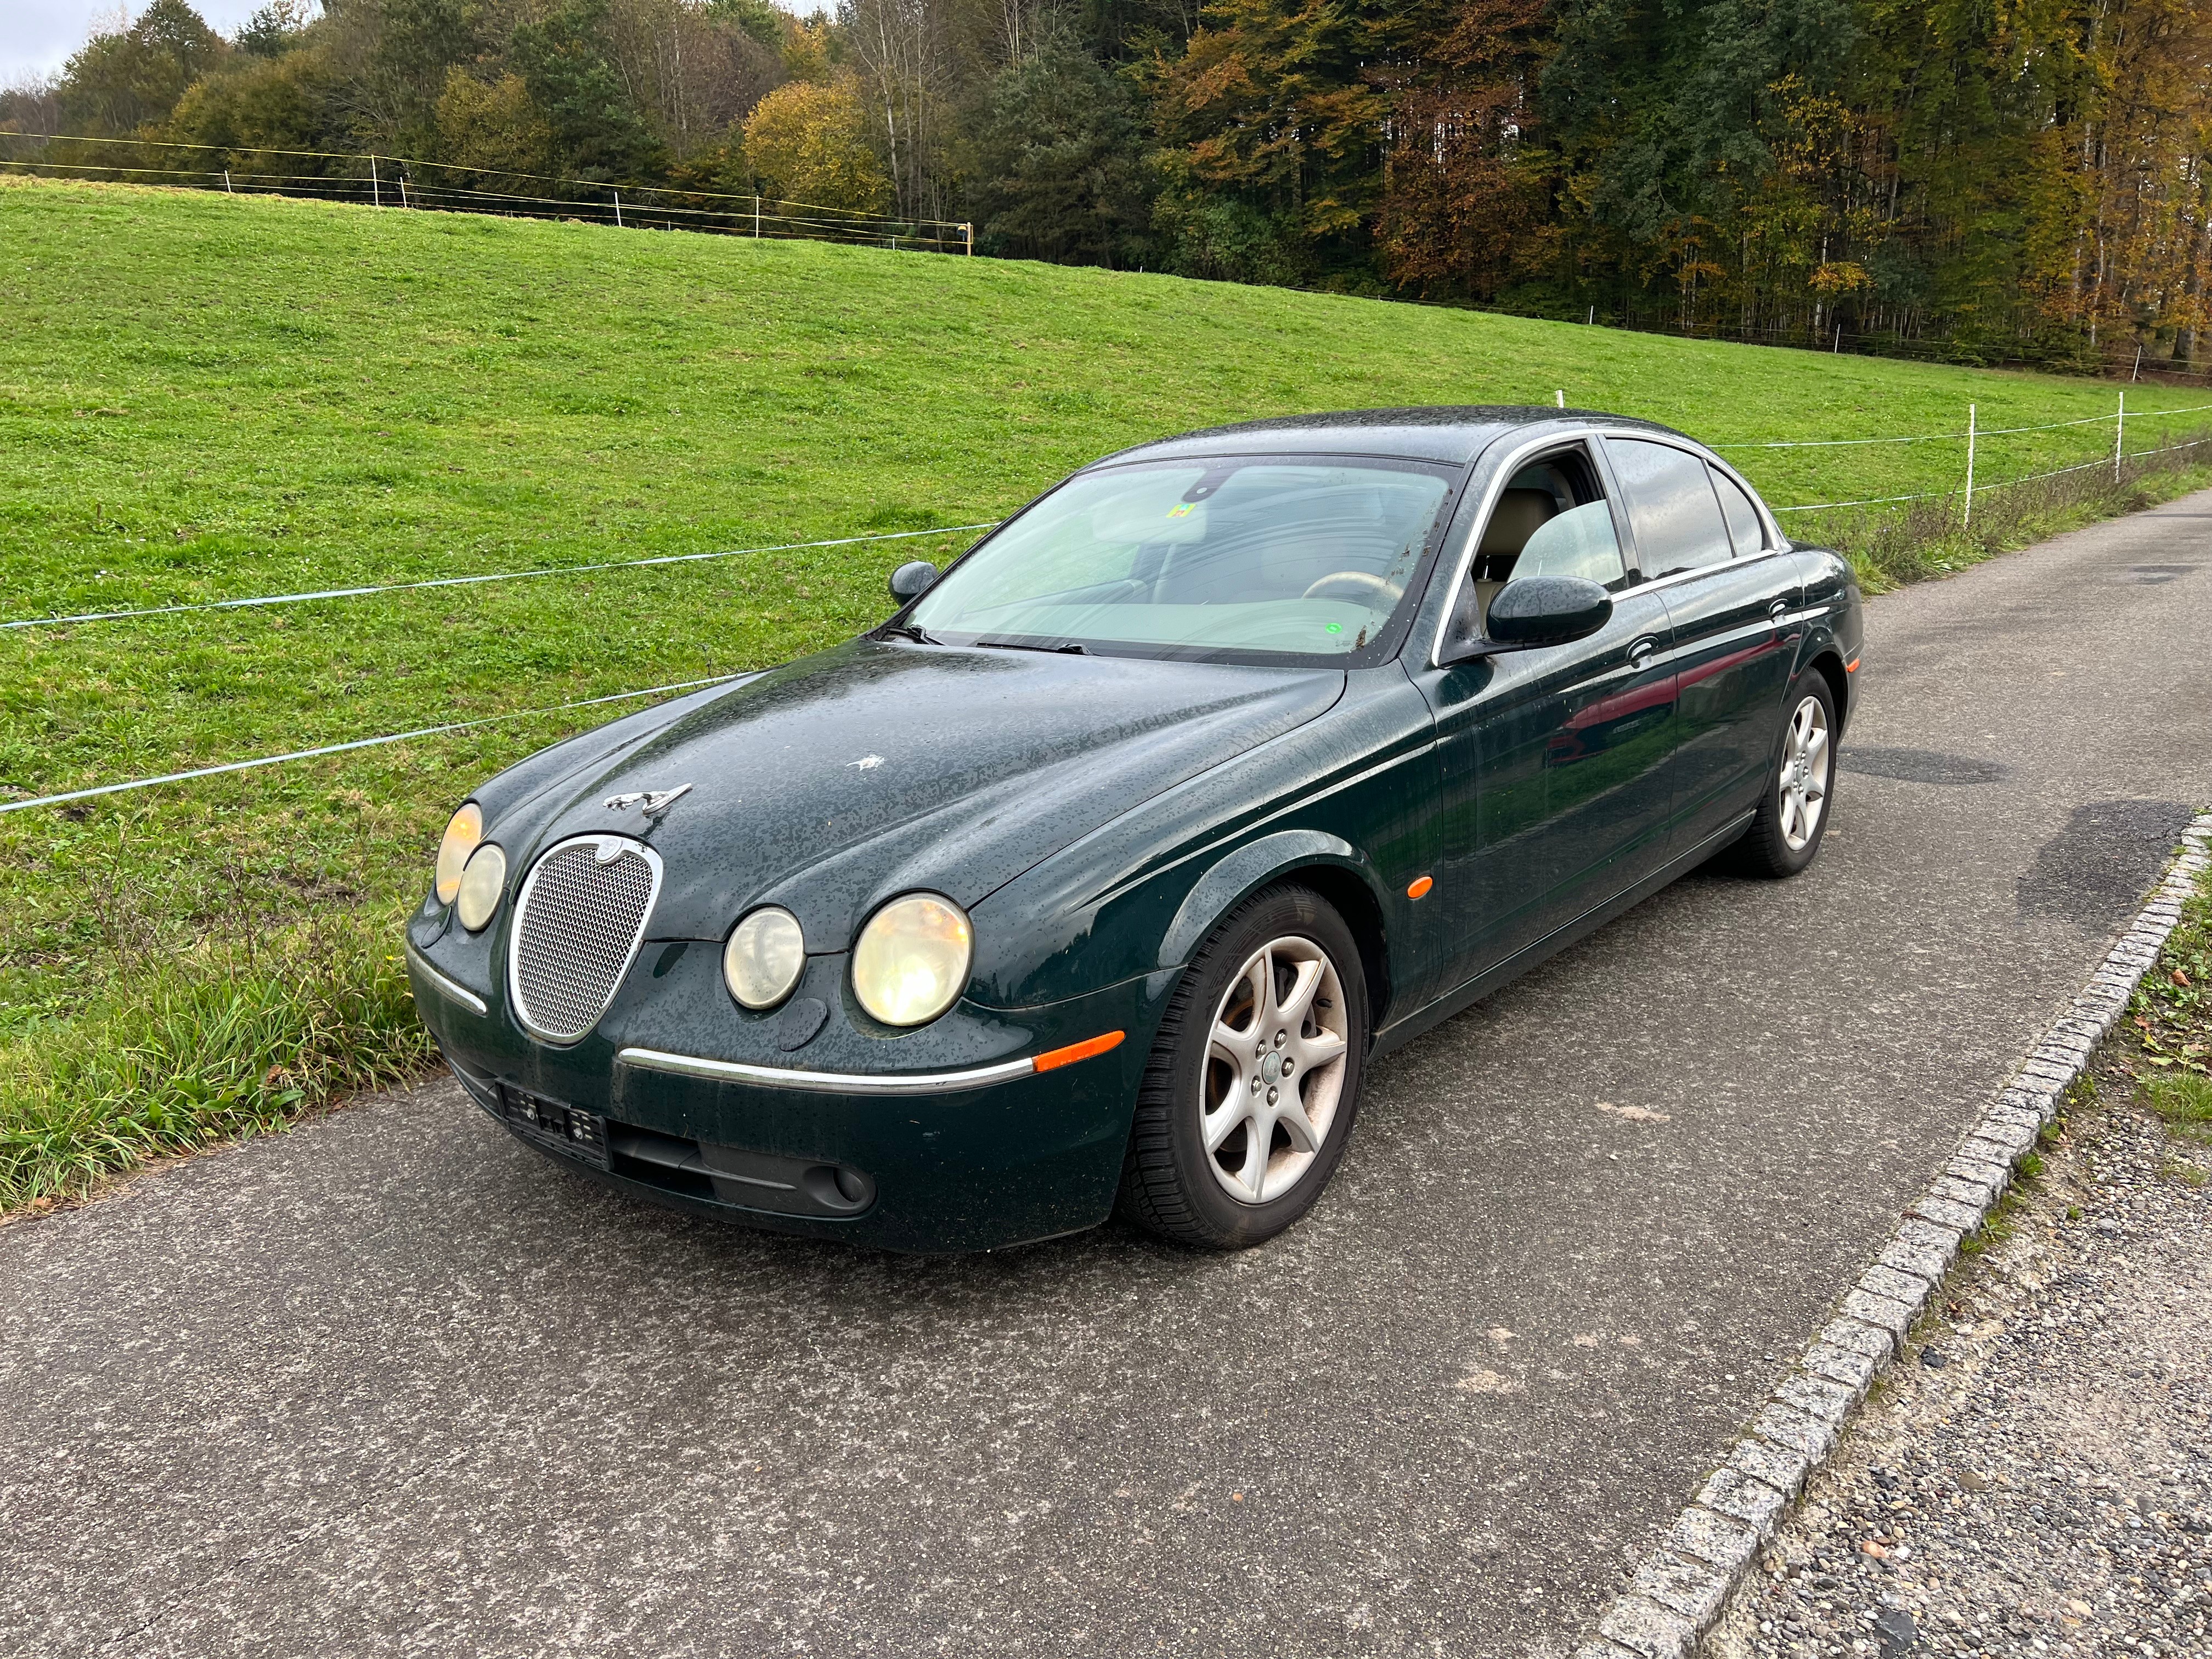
column 203, row 397
column 2171, row 1015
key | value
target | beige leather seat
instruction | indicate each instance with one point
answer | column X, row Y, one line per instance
column 1518, row 516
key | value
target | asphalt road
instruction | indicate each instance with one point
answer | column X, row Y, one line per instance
column 392, row 1383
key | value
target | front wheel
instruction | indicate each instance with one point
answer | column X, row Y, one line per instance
column 1249, row 1094
column 1793, row 812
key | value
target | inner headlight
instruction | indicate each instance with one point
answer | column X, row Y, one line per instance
column 765, row 957
column 482, row 879
column 462, row 832
column 911, row 960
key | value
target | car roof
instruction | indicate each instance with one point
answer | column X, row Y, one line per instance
column 1452, row 434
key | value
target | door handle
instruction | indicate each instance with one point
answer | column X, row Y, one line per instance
column 1775, row 611
column 1639, row 652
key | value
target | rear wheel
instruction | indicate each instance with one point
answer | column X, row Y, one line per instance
column 1793, row 813
column 1250, row 1091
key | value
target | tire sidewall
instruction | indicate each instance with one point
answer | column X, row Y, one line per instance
column 1174, row 1084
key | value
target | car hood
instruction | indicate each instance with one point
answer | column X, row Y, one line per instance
column 874, row 768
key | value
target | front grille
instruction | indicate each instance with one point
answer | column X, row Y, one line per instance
column 578, row 923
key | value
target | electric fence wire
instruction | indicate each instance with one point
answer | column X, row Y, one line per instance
column 1950, row 437
column 264, row 601
column 358, row 743
column 2004, row 483
column 720, row 679
column 405, row 161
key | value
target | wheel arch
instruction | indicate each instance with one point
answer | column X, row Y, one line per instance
column 1829, row 660
column 1330, row 865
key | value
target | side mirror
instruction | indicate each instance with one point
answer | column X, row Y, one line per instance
column 911, row 580
column 1540, row 611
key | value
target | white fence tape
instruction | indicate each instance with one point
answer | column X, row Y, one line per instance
column 1959, row 436
column 314, row 596
column 842, row 541
column 465, row 581
column 358, row 743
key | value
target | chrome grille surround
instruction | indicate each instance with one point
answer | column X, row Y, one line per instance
column 579, row 922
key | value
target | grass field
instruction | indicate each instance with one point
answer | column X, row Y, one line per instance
column 205, row 397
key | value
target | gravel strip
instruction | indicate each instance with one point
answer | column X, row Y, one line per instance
column 2035, row 1477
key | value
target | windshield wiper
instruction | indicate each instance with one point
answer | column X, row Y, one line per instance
column 1066, row 647
column 908, row 631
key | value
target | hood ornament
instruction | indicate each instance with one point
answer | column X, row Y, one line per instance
column 653, row 801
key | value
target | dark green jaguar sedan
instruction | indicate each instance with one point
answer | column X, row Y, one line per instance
column 1096, row 876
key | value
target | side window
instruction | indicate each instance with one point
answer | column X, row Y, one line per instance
column 1672, row 505
column 1743, row 516
column 1579, row 542
column 1551, row 519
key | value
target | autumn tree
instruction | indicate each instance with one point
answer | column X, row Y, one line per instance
column 807, row 141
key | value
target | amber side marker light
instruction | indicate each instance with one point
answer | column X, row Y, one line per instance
column 1420, row 888
column 1054, row 1058
column 1852, row 666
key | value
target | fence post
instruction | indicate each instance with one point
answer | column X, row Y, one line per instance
column 756, row 213
column 227, row 190
column 1967, row 522
column 969, row 231
column 375, row 188
column 403, row 190
column 618, row 223
column 1560, row 399
column 2119, row 436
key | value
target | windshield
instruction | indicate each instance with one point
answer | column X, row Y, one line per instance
column 1210, row 558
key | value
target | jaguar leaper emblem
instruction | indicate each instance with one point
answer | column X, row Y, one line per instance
column 654, row 802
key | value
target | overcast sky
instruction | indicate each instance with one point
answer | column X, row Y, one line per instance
column 36, row 36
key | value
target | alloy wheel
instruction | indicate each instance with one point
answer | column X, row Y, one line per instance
column 1804, row 783
column 1274, row 1069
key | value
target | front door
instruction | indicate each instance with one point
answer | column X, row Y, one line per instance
column 1553, row 762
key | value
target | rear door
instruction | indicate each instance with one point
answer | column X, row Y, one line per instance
column 1729, row 596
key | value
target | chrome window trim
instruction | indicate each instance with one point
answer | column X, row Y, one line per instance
column 858, row 1082
column 521, row 907
column 1778, row 543
column 1508, row 464
column 444, row 984
column 1675, row 578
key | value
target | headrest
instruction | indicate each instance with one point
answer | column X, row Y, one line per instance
column 1519, row 514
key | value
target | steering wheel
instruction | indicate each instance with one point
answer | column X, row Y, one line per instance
column 1353, row 584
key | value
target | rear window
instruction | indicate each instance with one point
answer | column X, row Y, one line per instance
column 1744, row 528
column 1672, row 505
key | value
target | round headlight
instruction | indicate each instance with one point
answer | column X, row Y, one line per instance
column 462, row 832
column 911, row 960
column 482, row 879
column 765, row 957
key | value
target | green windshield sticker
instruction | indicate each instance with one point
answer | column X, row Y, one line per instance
column 1335, row 628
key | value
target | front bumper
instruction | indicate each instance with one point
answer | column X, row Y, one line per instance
column 940, row 1139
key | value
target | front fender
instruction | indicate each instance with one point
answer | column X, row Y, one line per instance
column 1245, row 870
column 1350, row 797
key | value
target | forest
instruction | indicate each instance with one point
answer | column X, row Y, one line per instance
column 2024, row 183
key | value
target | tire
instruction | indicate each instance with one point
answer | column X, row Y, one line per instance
column 1245, row 1190
column 1780, row 843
